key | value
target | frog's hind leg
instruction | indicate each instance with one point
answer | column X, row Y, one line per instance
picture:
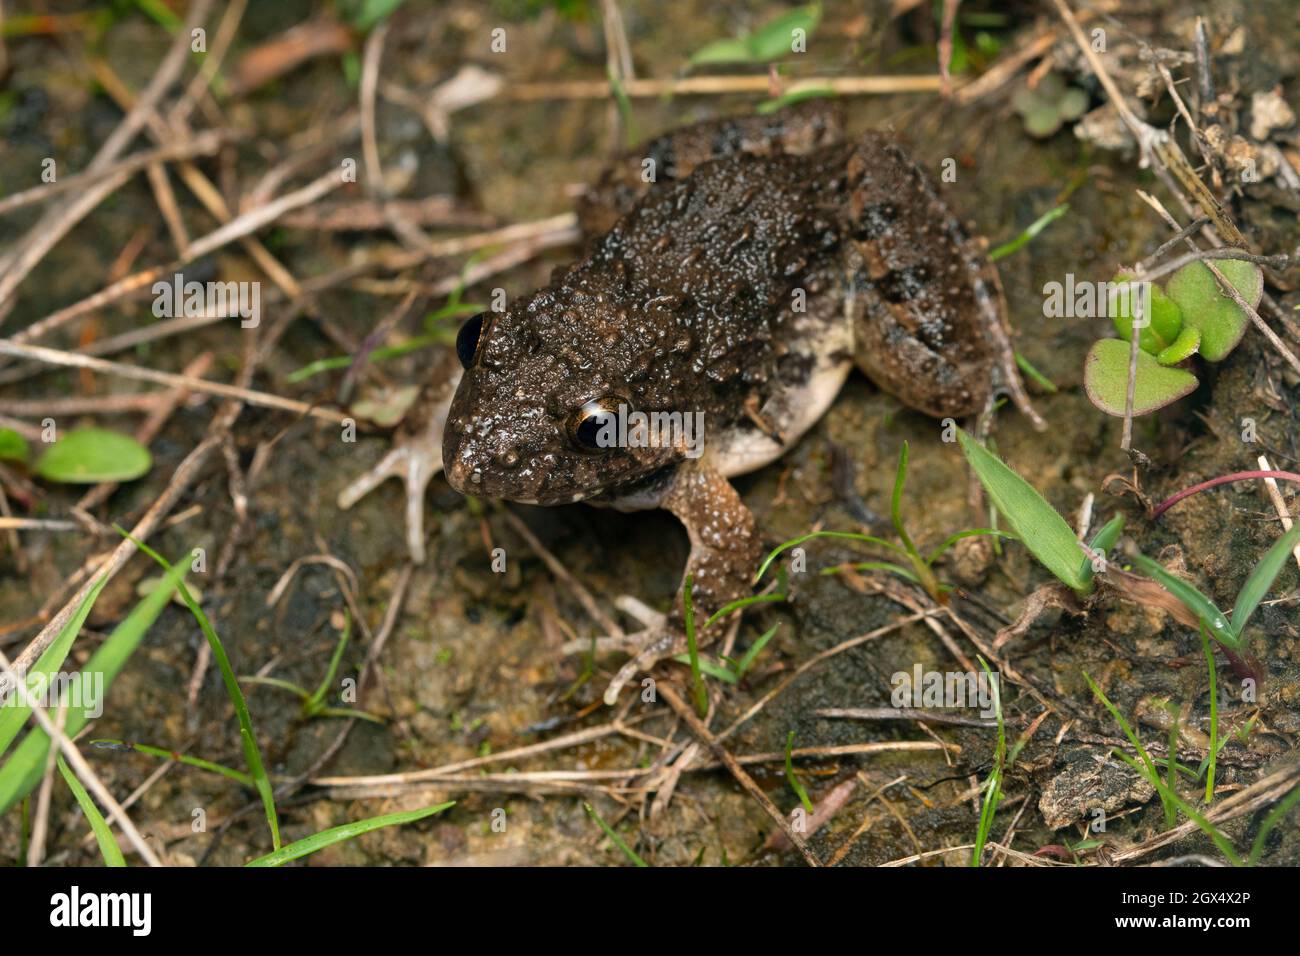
column 725, row 552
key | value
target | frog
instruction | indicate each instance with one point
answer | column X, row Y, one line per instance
column 734, row 273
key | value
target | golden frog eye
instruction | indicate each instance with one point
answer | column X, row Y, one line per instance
column 588, row 425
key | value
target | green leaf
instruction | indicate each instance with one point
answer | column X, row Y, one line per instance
column 770, row 42
column 318, row 841
column 723, row 51
column 1262, row 578
column 1196, row 602
column 1185, row 346
column 14, row 713
column 1205, row 306
column 1165, row 322
column 1035, row 522
column 108, row 848
column 794, row 96
column 13, row 446
column 24, row 768
column 90, row 455
column 774, row 39
column 374, row 11
column 1105, row 377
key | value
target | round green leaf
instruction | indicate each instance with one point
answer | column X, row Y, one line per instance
column 13, row 447
column 1205, row 307
column 1184, row 347
column 92, row 455
column 1166, row 318
column 1105, row 376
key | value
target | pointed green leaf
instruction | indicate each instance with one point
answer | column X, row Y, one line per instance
column 1196, row 602
column 1262, row 578
column 1034, row 521
column 108, row 848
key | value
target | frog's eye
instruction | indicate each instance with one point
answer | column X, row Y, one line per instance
column 594, row 426
column 467, row 340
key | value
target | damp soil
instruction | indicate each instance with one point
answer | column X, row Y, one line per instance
column 472, row 666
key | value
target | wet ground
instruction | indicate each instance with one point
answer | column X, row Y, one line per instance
column 472, row 666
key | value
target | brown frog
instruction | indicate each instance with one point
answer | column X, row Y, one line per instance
column 735, row 291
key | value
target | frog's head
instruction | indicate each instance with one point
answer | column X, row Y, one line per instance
column 535, row 418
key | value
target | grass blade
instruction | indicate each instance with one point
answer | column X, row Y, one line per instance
column 614, row 837
column 252, row 755
column 108, row 848
column 241, row 778
column 848, row 535
column 26, row 765
column 318, row 841
column 1035, row 522
column 1213, row 755
column 1194, row 600
column 14, row 713
column 993, row 791
column 795, row 785
column 1262, row 578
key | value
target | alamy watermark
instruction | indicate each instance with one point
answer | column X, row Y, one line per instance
column 227, row 300
column 1084, row 299
column 77, row 690
column 629, row 428
column 933, row 689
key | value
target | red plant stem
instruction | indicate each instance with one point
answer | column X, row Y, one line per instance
column 1222, row 480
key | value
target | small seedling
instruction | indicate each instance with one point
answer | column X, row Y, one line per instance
column 771, row 41
column 1045, row 107
column 1191, row 315
column 313, row 702
column 791, row 779
column 920, row 568
column 1228, row 631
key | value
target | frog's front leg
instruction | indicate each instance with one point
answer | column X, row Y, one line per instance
column 725, row 553
column 416, row 456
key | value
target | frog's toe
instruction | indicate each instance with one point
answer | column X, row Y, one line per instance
column 655, row 645
column 636, row 608
column 415, row 463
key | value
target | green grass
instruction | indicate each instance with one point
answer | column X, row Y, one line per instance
column 795, row 785
column 614, row 837
column 23, row 769
column 348, row 831
column 1228, row 631
column 238, row 776
column 108, row 848
column 313, row 702
column 252, row 754
column 993, row 785
column 919, row 570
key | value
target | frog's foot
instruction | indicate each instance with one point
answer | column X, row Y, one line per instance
column 725, row 552
column 415, row 463
column 417, row 453
column 648, row 646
